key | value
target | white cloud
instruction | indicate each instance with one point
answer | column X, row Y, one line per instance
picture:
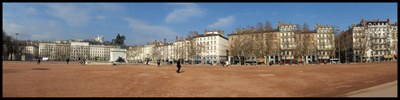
column 144, row 32
column 73, row 14
column 33, row 30
column 28, row 20
column 81, row 14
column 186, row 11
column 223, row 22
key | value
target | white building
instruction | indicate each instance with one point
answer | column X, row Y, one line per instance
column 180, row 50
column 379, row 38
column 325, row 42
column 55, row 51
column 100, row 52
column 287, row 40
column 99, row 39
column 79, row 50
column 368, row 41
column 213, row 47
column 30, row 52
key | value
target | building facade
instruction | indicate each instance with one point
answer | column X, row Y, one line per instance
column 79, row 51
column 325, row 42
column 287, row 41
column 369, row 41
column 55, row 51
column 100, row 52
column 211, row 47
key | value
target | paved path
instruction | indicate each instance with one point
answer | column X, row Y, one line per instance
column 384, row 90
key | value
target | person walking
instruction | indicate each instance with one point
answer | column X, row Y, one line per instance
column 158, row 63
column 67, row 60
column 179, row 66
column 38, row 62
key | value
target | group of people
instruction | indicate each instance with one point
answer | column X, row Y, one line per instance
column 226, row 63
column 178, row 65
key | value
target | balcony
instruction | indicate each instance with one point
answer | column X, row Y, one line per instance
column 380, row 49
column 288, row 36
column 379, row 37
column 359, row 36
column 380, row 43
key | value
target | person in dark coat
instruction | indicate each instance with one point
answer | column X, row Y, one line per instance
column 38, row 62
column 158, row 63
column 67, row 60
column 179, row 66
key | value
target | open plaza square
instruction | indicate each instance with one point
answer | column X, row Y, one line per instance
column 58, row 79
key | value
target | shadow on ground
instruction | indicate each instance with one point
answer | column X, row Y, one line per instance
column 40, row 68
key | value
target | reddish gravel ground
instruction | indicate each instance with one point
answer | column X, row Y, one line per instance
column 57, row 79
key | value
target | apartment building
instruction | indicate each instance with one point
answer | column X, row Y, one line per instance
column 369, row 41
column 100, row 52
column 325, row 42
column 79, row 50
column 287, row 41
column 181, row 49
column 211, row 47
column 393, row 43
column 55, row 51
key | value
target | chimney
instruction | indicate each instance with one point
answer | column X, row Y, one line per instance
column 388, row 20
column 165, row 40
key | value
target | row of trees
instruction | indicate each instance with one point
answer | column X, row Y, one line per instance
column 12, row 48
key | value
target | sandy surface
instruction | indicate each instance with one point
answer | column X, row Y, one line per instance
column 57, row 79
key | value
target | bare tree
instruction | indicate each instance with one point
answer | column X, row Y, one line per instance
column 156, row 52
column 271, row 44
column 305, row 27
column 237, row 45
column 330, row 38
column 268, row 26
column 260, row 27
column 259, row 45
column 13, row 46
column 191, row 46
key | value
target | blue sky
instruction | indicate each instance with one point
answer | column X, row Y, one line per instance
column 144, row 22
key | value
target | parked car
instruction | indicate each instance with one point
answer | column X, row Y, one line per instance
column 251, row 62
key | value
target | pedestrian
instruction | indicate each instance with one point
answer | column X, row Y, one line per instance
column 158, row 63
column 38, row 62
column 67, row 60
column 179, row 66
